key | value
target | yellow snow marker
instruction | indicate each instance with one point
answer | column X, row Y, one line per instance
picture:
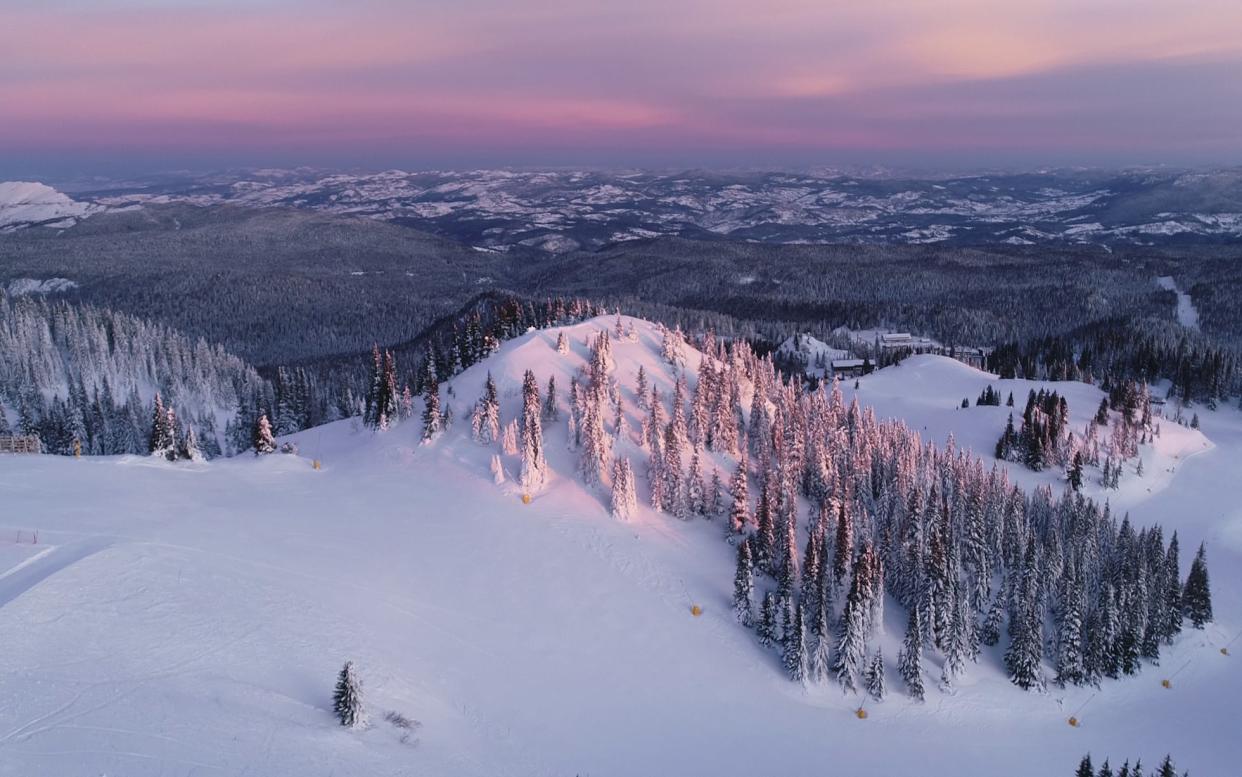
column 1166, row 684
column 315, row 463
column 860, row 713
column 696, row 611
column 525, row 499
column 1073, row 721
column 77, row 448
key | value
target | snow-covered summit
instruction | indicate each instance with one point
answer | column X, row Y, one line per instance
column 29, row 203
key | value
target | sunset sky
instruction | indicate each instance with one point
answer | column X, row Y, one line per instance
column 145, row 85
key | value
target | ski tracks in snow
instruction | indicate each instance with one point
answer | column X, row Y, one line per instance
column 35, row 570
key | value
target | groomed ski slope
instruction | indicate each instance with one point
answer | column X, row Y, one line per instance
column 203, row 632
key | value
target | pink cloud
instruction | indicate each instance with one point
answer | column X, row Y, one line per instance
column 685, row 74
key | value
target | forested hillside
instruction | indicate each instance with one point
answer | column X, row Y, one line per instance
column 300, row 285
column 71, row 372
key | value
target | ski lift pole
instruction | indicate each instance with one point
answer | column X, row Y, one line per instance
column 1224, row 651
column 1168, row 681
column 1073, row 719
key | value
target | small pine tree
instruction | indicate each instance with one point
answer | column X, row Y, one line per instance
column 875, row 676
column 433, row 422
column 347, row 701
column 715, row 496
column 189, row 447
column 624, row 499
column 1075, row 472
column 989, row 634
column 1166, row 769
column 262, row 439
column 1197, row 594
column 1085, row 769
column 550, row 411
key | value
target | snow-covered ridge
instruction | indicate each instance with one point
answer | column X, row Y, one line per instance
column 28, row 203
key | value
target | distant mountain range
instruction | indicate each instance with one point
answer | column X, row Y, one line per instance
column 561, row 211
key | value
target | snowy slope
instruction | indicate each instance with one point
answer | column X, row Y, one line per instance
column 26, row 203
column 191, row 619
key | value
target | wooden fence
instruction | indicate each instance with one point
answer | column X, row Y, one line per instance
column 20, row 444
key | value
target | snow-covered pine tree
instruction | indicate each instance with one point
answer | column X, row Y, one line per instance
column 910, row 662
column 875, row 675
column 1173, row 593
column 624, row 501
column 262, row 440
column 739, row 513
column 844, row 545
column 766, row 627
column 1070, row 643
column 562, row 344
column 347, row 699
column 744, row 585
column 189, row 446
column 534, row 466
column 958, row 644
column 671, row 347
column 594, row 455
column 163, row 438
column 1024, row 657
column 989, row 633
column 851, row 650
column 1197, row 595
column 1085, row 769
column 641, row 389
column 485, row 423
column 715, row 496
column 433, row 421
column 550, row 411
column 1074, row 475
column 509, row 438
column 620, row 427
column 696, row 492
column 674, row 489
column 794, row 659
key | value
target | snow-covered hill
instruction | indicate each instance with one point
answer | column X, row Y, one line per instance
column 27, row 203
column 190, row 619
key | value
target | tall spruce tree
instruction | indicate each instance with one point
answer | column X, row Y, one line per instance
column 910, row 662
column 744, row 585
column 1197, row 595
column 795, row 647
